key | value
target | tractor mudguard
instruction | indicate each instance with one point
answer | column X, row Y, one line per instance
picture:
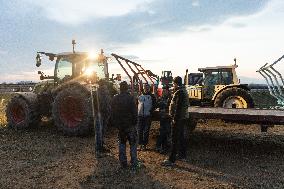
column 242, row 86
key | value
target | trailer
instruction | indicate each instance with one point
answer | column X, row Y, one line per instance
column 264, row 117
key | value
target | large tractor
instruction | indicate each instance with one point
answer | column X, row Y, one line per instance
column 79, row 91
column 218, row 87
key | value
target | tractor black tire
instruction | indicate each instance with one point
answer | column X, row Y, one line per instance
column 22, row 112
column 234, row 92
column 72, row 111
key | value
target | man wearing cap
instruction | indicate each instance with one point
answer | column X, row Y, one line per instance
column 124, row 117
column 179, row 113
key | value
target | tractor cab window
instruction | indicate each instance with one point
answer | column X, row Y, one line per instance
column 99, row 69
column 211, row 78
column 227, row 77
column 218, row 77
column 94, row 69
column 64, row 69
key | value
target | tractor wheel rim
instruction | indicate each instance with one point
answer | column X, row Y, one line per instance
column 18, row 113
column 235, row 102
column 71, row 111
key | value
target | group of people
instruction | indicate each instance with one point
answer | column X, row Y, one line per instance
column 133, row 118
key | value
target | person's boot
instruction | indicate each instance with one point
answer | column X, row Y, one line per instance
column 181, row 157
column 168, row 163
column 140, row 147
column 138, row 165
column 144, row 147
column 123, row 165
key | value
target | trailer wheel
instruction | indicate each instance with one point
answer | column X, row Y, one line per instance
column 234, row 98
column 72, row 111
column 22, row 113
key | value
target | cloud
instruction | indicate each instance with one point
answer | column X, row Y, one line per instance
column 2, row 52
column 167, row 16
column 195, row 3
column 76, row 12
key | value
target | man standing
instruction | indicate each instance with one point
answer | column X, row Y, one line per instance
column 145, row 108
column 124, row 117
column 165, row 121
column 103, row 108
column 179, row 113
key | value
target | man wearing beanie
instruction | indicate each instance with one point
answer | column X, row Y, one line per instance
column 124, row 117
column 179, row 113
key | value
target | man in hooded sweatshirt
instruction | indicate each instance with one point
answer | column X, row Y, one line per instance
column 146, row 104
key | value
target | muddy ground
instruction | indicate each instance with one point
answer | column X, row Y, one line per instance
column 219, row 156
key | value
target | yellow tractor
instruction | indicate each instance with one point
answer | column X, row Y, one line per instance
column 218, row 87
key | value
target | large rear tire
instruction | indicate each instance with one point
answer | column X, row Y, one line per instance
column 22, row 112
column 234, row 98
column 72, row 111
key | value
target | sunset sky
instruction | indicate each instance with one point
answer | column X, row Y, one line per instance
column 159, row 34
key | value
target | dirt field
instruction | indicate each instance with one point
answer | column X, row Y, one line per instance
column 227, row 156
column 220, row 155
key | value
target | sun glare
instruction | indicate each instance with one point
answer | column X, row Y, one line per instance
column 92, row 55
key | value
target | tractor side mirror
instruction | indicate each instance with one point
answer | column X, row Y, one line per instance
column 41, row 77
column 38, row 60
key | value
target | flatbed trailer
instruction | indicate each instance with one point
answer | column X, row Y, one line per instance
column 264, row 117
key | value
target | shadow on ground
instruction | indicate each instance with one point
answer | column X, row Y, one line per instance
column 242, row 160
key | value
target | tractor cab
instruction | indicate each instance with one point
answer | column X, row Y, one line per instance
column 220, row 75
column 218, row 86
column 216, row 78
column 77, row 66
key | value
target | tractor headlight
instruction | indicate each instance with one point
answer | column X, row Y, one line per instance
column 89, row 72
column 92, row 55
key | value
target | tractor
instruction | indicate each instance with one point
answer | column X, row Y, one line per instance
column 167, row 78
column 75, row 97
column 218, row 87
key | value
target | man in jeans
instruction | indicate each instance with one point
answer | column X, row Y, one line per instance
column 124, row 117
column 179, row 113
column 145, row 106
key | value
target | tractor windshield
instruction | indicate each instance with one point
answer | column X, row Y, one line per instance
column 218, row 77
column 64, row 69
column 94, row 68
column 79, row 66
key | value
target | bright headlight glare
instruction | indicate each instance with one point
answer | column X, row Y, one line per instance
column 89, row 72
column 92, row 56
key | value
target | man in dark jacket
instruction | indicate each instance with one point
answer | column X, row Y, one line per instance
column 124, row 117
column 104, row 99
column 179, row 114
column 165, row 121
